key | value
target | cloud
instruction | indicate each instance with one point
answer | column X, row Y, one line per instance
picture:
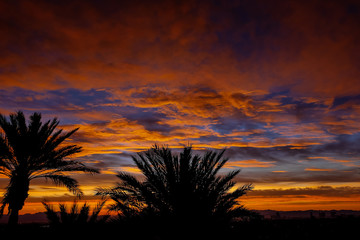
column 319, row 169
column 346, row 101
column 324, row 191
column 344, row 145
column 240, row 46
column 321, row 197
column 253, row 163
column 202, row 116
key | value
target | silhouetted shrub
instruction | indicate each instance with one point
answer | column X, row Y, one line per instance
column 75, row 215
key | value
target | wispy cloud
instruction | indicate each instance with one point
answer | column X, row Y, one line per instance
column 253, row 163
column 319, row 169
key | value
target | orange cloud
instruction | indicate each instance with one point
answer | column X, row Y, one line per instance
column 131, row 169
column 321, row 197
column 319, row 169
column 253, row 163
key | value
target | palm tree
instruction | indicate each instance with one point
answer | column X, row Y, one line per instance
column 184, row 188
column 33, row 151
column 76, row 215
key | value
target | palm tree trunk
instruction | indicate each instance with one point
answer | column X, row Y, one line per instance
column 18, row 193
column 14, row 217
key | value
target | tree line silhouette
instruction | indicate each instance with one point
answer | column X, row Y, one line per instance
column 183, row 190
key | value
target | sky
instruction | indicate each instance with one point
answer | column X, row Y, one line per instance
column 276, row 83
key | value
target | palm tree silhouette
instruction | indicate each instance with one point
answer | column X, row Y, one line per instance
column 33, row 151
column 75, row 215
column 186, row 188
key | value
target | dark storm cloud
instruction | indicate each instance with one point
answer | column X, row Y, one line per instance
column 346, row 145
column 278, row 154
column 348, row 101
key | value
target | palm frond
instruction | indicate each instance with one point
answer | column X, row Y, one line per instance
column 62, row 180
column 83, row 214
column 75, row 215
column 51, row 215
column 96, row 211
column 181, row 186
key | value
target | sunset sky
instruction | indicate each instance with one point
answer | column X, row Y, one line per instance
column 277, row 83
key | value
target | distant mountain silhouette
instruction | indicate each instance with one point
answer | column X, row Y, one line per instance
column 273, row 214
column 28, row 218
column 40, row 217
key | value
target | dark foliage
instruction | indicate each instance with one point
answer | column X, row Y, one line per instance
column 184, row 190
column 295, row 229
column 75, row 215
column 33, row 150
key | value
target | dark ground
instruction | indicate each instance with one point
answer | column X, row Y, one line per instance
column 338, row 228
